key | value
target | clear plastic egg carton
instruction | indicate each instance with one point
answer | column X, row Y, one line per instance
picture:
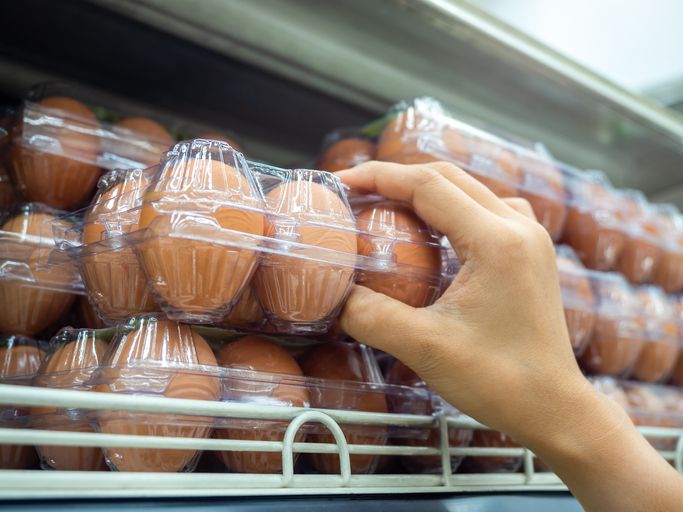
column 215, row 234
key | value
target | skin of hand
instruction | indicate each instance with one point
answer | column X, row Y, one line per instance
column 496, row 345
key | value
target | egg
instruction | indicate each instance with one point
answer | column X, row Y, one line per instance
column 74, row 356
column 347, row 152
column 140, row 139
column 618, row 335
column 86, row 315
column 677, row 372
column 194, row 279
column 641, row 252
column 111, row 272
column 67, row 178
column 246, row 313
column 274, row 364
column 396, row 238
column 160, row 358
column 342, row 361
column 20, row 359
column 669, row 272
column 402, row 402
column 594, row 225
column 298, row 293
column 491, row 439
column 27, row 307
column 495, row 165
column 399, row 141
column 660, row 350
column 577, row 299
column 543, row 186
column 221, row 137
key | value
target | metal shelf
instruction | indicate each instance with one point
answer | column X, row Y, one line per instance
column 371, row 54
column 32, row 484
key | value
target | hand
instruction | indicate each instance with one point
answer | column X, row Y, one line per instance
column 496, row 345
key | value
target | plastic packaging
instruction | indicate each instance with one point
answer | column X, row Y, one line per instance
column 677, row 372
column 642, row 252
column 257, row 354
column 501, row 464
column 73, row 355
column 399, row 373
column 7, row 194
column 86, row 316
column 38, row 283
column 60, row 145
column 595, row 221
column 660, row 350
column 669, row 272
column 151, row 356
column 421, row 131
column 619, row 334
column 339, row 363
column 20, row 358
column 345, row 148
column 577, row 298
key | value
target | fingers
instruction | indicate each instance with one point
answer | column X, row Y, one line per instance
column 439, row 202
column 521, row 205
column 387, row 324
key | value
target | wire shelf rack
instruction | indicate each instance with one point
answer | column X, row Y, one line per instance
column 32, row 484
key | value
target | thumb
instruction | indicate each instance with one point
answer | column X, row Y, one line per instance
column 388, row 325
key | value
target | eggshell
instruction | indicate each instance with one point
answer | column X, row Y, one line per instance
column 258, row 354
column 347, row 153
column 543, row 187
column 641, row 253
column 491, row 439
column 669, row 271
column 17, row 360
column 170, row 347
column 140, row 130
column 196, row 279
column 578, row 301
column 247, row 312
column 297, row 290
column 111, row 272
column 399, row 140
column 67, row 179
column 496, row 166
column 69, row 367
column 610, row 352
column 393, row 233
column 87, row 317
column 401, row 375
column 341, row 361
column 27, row 308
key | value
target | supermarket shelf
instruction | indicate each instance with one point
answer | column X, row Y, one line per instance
column 31, row 484
column 371, row 54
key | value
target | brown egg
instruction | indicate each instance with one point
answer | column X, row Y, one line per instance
column 399, row 140
column 87, row 316
column 400, row 374
column 27, row 307
column 543, row 186
column 342, row 361
column 491, row 439
column 669, row 272
column 392, row 234
column 247, row 312
column 111, row 272
column 67, row 179
column 641, row 253
column 595, row 224
column 300, row 293
column 618, row 335
column 346, row 153
column 578, row 300
column 74, row 357
column 19, row 362
column 660, row 350
column 168, row 347
column 221, row 137
column 647, row 408
column 195, row 279
column 274, row 363
column 141, row 139
column 496, row 166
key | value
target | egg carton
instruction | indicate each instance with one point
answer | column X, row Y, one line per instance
column 214, row 232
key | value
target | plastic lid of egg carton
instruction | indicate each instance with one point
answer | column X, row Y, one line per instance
column 590, row 192
column 344, row 148
column 575, row 286
column 640, row 220
column 614, row 296
column 430, row 132
column 659, row 314
column 670, row 223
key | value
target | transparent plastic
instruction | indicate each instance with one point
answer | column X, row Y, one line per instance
column 38, row 283
column 677, row 372
column 345, row 148
column 619, row 332
column 577, row 298
column 73, row 355
column 669, row 272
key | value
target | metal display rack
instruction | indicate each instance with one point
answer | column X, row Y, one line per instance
column 33, row 484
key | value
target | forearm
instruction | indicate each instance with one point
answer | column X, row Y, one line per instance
column 593, row 447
